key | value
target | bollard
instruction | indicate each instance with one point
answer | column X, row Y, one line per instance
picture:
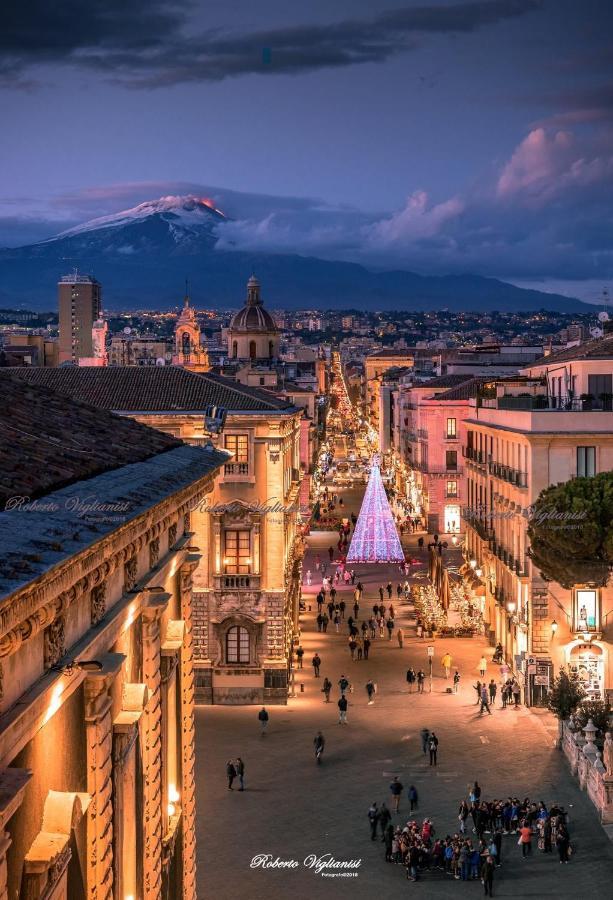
column 302, row 687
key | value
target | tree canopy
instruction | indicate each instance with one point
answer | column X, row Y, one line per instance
column 571, row 531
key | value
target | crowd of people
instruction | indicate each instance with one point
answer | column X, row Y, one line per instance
column 419, row 850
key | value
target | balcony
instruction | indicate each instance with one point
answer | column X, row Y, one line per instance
column 447, row 436
column 473, row 455
column 508, row 474
column 551, row 402
column 233, row 469
column 437, row 470
column 236, row 582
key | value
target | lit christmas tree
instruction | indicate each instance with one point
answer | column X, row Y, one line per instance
column 375, row 539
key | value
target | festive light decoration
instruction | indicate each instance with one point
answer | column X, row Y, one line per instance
column 429, row 607
column 375, row 539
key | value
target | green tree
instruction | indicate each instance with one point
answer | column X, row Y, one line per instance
column 571, row 531
column 565, row 695
column 596, row 710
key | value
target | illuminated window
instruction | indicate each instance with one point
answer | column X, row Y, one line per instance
column 586, row 462
column 237, row 557
column 451, row 428
column 237, row 645
column 587, row 610
column 452, row 488
column 238, row 445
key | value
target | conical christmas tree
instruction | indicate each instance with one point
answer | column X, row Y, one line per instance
column 375, row 539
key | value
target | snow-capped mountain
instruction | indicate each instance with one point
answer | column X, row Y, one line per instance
column 143, row 255
column 187, row 212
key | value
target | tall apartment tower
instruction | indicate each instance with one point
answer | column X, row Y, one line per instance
column 80, row 302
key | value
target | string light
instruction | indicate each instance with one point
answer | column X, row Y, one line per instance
column 375, row 538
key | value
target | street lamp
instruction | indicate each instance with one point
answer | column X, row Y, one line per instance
column 473, row 563
column 510, row 607
column 478, row 572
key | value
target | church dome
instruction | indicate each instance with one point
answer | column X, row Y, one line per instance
column 253, row 316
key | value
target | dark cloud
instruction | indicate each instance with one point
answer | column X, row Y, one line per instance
column 141, row 43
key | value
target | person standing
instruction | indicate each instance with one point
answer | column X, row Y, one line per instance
column 516, row 691
column 482, row 666
column 390, row 627
column 446, row 663
column 263, row 719
column 366, row 647
column 331, row 553
column 456, row 681
column 396, row 789
column 562, row 842
column 484, row 702
column 487, row 875
column 370, row 690
column 327, row 687
column 433, row 748
column 421, row 677
column 492, row 691
column 316, row 661
column 413, row 798
column 341, row 608
column 478, row 687
column 342, row 710
column 240, row 771
column 356, row 609
column 385, row 818
column 525, row 839
column 389, row 590
column 373, row 818
column 425, row 737
column 381, row 593
column 411, row 678
column 400, row 638
column 299, row 655
column 231, row 774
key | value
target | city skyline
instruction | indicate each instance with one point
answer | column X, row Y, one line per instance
column 438, row 137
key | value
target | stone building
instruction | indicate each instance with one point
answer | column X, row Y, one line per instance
column 96, row 652
column 247, row 585
column 552, row 423
column 188, row 350
column 252, row 333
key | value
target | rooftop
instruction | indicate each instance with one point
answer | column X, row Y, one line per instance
column 463, row 391
column 599, row 348
column 151, row 389
column 48, row 441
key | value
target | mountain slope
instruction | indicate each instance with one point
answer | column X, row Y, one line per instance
column 143, row 255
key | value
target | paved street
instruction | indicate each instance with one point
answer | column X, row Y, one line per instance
column 293, row 808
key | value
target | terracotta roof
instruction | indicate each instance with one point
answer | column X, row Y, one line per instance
column 390, row 351
column 599, row 348
column 48, row 441
column 464, row 391
column 442, row 381
column 152, row 389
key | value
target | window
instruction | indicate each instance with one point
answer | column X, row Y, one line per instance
column 252, row 350
column 586, row 462
column 237, row 645
column 270, row 349
column 238, row 445
column 451, row 428
column 452, row 488
column 237, row 557
column 234, row 349
column 451, row 459
column 587, row 610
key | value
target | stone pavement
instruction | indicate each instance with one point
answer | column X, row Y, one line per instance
column 293, row 808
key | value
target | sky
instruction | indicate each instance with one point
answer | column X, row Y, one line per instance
column 455, row 136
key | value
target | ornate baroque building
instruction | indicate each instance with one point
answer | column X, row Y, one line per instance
column 96, row 653
column 252, row 334
column 188, row 351
column 247, row 584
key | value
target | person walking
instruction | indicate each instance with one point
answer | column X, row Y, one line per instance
column 239, row 765
column 482, row 666
column 446, row 663
column 316, row 662
column 525, row 839
column 389, row 590
column 299, row 655
column 485, row 704
column 231, row 774
column 425, row 737
column 433, row 748
column 352, row 647
column 456, row 681
column 324, row 624
column 331, row 553
column 413, row 798
column 320, row 621
column 492, row 688
column 516, row 691
column 366, row 643
column 327, row 687
column 487, row 875
column 263, row 719
column 400, row 638
column 381, row 593
column 343, row 684
column 342, row 710
column 421, row 677
column 360, row 647
column 341, row 608
column 373, row 819
column 356, row 609
column 478, row 687
column 371, row 689
column 390, row 627
column 411, row 678
column 396, row 789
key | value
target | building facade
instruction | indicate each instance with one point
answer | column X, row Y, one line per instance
column 96, row 656
column 253, row 334
column 80, row 305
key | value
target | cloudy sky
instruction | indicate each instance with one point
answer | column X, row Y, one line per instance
column 464, row 135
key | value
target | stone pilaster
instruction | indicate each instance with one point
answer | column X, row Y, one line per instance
column 152, row 749
column 99, row 736
column 188, row 737
column 12, row 787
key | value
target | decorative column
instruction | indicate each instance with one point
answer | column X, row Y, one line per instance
column 99, row 738
column 187, row 732
column 12, row 788
column 152, row 749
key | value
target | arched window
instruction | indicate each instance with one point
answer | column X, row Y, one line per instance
column 186, row 344
column 237, row 645
column 270, row 349
column 235, row 349
column 252, row 350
